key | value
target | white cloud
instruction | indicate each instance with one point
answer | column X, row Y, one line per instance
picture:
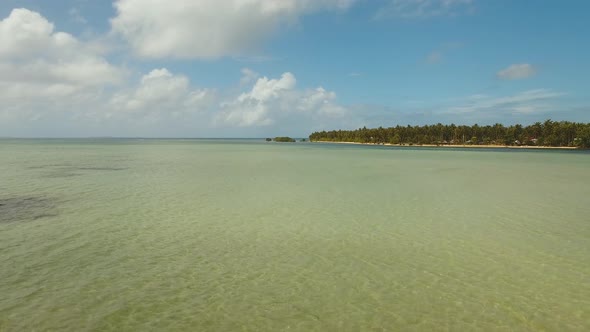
column 37, row 61
column 207, row 28
column 248, row 76
column 321, row 102
column 517, row 71
column 277, row 101
column 424, row 8
column 52, row 84
column 253, row 108
column 48, row 77
column 25, row 32
column 161, row 93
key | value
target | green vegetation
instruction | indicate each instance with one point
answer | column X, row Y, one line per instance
column 303, row 140
column 269, row 139
column 284, row 139
column 548, row 133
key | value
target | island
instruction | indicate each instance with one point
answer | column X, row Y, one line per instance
column 284, row 139
column 549, row 134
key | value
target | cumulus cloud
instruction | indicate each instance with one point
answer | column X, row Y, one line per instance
column 47, row 77
column 35, row 60
column 517, row 72
column 253, row 107
column 410, row 9
column 53, row 84
column 25, row 32
column 272, row 101
column 207, row 28
column 161, row 93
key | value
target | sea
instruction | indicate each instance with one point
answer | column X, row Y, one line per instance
column 247, row 235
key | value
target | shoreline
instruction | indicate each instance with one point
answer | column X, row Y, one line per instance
column 488, row 146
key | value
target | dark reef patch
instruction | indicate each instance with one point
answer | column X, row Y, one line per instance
column 26, row 208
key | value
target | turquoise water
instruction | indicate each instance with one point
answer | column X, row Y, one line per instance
column 208, row 235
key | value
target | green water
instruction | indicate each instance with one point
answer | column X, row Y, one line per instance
column 241, row 235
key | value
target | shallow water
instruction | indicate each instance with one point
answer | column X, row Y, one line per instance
column 229, row 235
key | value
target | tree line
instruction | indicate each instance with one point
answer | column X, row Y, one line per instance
column 281, row 139
column 549, row 133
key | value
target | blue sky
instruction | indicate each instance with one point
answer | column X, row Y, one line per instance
column 255, row 68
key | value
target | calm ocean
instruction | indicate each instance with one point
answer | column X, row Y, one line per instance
column 232, row 235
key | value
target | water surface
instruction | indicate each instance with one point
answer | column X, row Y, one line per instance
column 211, row 235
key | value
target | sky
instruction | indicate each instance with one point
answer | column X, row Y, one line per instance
column 265, row 68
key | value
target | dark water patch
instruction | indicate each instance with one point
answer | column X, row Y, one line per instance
column 60, row 174
column 26, row 208
column 101, row 168
column 74, row 167
column 50, row 166
column 59, row 171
